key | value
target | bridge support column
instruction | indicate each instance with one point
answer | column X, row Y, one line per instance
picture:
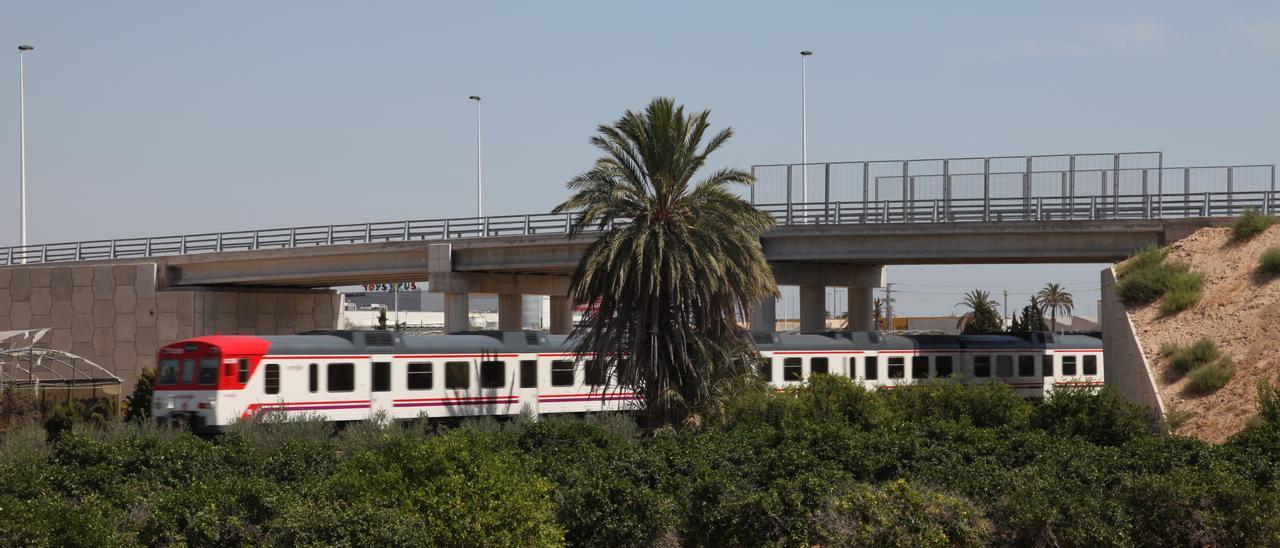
column 860, row 309
column 813, row 311
column 510, row 312
column 457, row 312
column 561, row 315
column 765, row 315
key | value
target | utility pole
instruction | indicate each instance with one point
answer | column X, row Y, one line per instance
column 888, row 304
column 1006, row 306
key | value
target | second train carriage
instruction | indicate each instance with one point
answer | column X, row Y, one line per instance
column 210, row 382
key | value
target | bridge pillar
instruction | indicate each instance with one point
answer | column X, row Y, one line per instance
column 561, row 315
column 457, row 312
column 813, row 309
column 510, row 312
column 765, row 315
column 860, row 309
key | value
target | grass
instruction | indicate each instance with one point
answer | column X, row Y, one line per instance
column 1210, row 377
column 1147, row 276
column 1184, row 360
column 1182, row 293
column 1269, row 262
column 1176, row 417
column 1250, row 224
column 1145, row 258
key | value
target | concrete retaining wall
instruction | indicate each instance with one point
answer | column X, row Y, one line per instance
column 116, row 316
column 1126, row 367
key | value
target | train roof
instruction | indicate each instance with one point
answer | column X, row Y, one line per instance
column 337, row 343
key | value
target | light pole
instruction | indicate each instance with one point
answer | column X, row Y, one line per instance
column 22, row 148
column 804, row 131
column 479, row 174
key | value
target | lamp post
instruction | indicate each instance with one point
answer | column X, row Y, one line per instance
column 804, row 131
column 22, row 149
column 479, row 174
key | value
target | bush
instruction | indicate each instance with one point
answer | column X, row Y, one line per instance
column 1104, row 418
column 1250, row 224
column 1182, row 292
column 899, row 514
column 986, row 405
column 1269, row 400
column 1147, row 257
column 1269, row 262
column 139, row 402
column 1212, row 376
column 1184, row 360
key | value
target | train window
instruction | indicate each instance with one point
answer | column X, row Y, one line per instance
column 1068, row 366
column 1026, row 366
column 562, row 373
column 381, row 377
column 871, row 368
column 493, row 374
column 188, row 371
column 1004, row 366
column 596, row 375
column 982, row 366
column 528, row 373
column 272, row 379
column 897, row 368
column 168, row 373
column 208, row 371
column 942, row 367
column 418, row 376
column 920, row 367
column 313, row 378
column 819, row 366
column 243, row 374
column 792, row 369
column 1047, row 360
column 1090, row 365
column 340, row 377
column 457, row 375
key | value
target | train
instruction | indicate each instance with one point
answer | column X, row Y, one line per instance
column 207, row 383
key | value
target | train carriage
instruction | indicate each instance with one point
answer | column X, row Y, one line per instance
column 210, row 382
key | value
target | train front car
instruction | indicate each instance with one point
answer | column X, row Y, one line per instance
column 198, row 380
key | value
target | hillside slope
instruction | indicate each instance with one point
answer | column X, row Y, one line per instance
column 1238, row 310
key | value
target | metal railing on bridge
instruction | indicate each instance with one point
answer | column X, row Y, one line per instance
column 853, row 192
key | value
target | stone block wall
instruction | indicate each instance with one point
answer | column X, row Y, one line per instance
column 118, row 317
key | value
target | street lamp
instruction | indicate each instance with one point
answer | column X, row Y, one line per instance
column 479, row 176
column 804, row 132
column 22, row 148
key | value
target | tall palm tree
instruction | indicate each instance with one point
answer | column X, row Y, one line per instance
column 677, row 262
column 983, row 315
column 1054, row 298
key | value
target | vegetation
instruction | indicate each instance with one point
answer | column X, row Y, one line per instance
column 1269, row 262
column 1206, row 367
column 1148, row 276
column 1269, row 400
column 826, row 464
column 983, row 315
column 1250, row 224
column 668, row 285
column 1031, row 319
column 1054, row 298
column 138, row 404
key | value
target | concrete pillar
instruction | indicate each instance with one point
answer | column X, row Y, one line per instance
column 561, row 315
column 510, row 312
column 861, row 315
column 765, row 315
column 457, row 312
column 813, row 308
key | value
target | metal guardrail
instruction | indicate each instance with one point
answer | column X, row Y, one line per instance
column 960, row 195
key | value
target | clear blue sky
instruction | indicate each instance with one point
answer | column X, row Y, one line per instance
column 147, row 118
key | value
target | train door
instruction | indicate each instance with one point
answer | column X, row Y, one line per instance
column 526, row 383
column 380, row 386
column 869, row 374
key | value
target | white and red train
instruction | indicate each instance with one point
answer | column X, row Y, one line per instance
column 207, row 383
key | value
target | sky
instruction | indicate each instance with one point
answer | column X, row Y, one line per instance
column 155, row 118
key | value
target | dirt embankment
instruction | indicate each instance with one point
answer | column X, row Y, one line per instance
column 1239, row 310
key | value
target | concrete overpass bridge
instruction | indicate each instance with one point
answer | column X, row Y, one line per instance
column 117, row 301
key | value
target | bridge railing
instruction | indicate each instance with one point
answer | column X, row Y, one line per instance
column 1119, row 193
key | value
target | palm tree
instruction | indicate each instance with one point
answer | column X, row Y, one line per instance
column 983, row 315
column 1054, row 298
column 676, row 263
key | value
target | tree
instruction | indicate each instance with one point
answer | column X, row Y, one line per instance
column 382, row 318
column 139, row 403
column 1053, row 298
column 1031, row 319
column 877, row 308
column 983, row 315
column 676, row 262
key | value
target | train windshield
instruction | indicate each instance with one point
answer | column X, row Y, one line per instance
column 168, row 372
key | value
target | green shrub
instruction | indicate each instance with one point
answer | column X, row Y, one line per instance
column 138, row 404
column 1250, row 224
column 1212, row 376
column 1269, row 400
column 899, row 514
column 1147, row 257
column 1176, row 417
column 1104, row 418
column 1269, row 262
column 986, row 405
column 1182, row 293
column 1201, row 352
